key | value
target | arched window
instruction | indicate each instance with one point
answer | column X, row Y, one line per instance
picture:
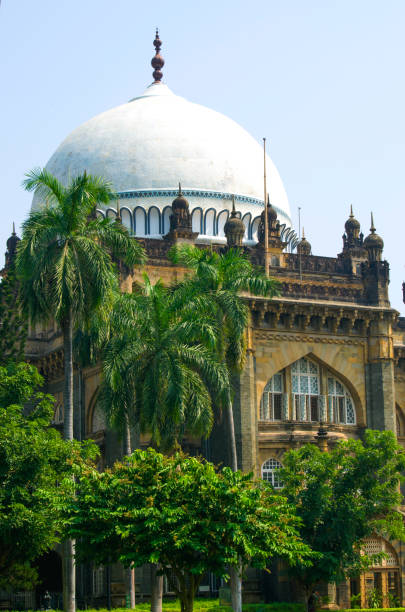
column 272, row 399
column 270, row 472
column 305, row 388
column 341, row 406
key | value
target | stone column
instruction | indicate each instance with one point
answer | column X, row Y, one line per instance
column 379, row 370
column 245, row 416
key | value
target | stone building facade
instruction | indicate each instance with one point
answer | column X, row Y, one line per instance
column 326, row 358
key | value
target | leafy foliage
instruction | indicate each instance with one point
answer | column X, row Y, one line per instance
column 216, row 289
column 342, row 497
column 34, row 465
column 64, row 257
column 13, row 329
column 158, row 368
column 180, row 512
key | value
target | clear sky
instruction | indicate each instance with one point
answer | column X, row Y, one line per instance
column 323, row 80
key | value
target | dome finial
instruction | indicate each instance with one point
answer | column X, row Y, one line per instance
column 351, row 211
column 372, row 228
column 180, row 189
column 13, row 228
column 233, row 213
column 303, row 233
column 157, row 61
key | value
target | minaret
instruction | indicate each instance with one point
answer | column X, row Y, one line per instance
column 181, row 229
column 157, row 61
column 12, row 243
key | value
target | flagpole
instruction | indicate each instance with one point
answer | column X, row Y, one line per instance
column 266, row 220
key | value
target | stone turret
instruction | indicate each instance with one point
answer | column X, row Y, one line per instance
column 180, row 221
column 353, row 253
column 304, row 247
column 234, row 228
column 12, row 244
column 375, row 271
column 275, row 244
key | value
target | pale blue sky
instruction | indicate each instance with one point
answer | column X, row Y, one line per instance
column 323, row 80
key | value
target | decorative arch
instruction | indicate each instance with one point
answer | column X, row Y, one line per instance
column 296, row 392
column 246, row 219
column 197, row 219
column 154, row 225
column 254, row 226
column 111, row 213
column 400, row 420
column 376, row 545
column 222, row 218
column 126, row 217
column 91, row 411
column 209, row 222
column 100, row 213
column 139, row 221
column 166, row 212
column 269, row 472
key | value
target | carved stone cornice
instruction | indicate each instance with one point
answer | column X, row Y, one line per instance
column 328, row 318
column 50, row 366
column 291, row 337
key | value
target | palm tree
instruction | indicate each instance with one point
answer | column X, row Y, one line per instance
column 65, row 266
column 158, row 368
column 217, row 289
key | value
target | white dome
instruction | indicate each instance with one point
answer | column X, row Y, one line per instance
column 145, row 147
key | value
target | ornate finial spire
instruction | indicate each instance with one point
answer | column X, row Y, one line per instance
column 13, row 228
column 372, row 228
column 351, row 211
column 157, row 62
column 303, row 233
column 233, row 213
column 180, row 189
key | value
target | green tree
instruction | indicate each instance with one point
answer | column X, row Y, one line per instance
column 342, row 497
column 158, row 369
column 216, row 290
column 65, row 267
column 13, row 329
column 34, row 465
column 180, row 512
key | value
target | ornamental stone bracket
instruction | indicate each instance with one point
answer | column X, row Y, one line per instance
column 50, row 366
column 320, row 318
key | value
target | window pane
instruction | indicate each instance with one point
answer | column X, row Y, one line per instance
column 304, row 387
column 294, row 367
column 277, row 383
column 313, row 368
column 303, row 365
column 341, row 410
column 277, row 406
column 295, row 386
column 331, row 386
column 349, row 412
column 314, row 387
column 314, row 409
column 339, row 388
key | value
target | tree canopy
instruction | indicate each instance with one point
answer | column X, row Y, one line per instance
column 342, row 497
column 34, row 463
column 158, row 368
column 183, row 514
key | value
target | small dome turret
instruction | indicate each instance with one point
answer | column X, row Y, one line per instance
column 304, row 247
column 234, row 228
column 12, row 244
column 352, row 226
column 374, row 243
column 180, row 202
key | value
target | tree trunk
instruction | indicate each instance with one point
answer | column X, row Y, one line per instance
column 130, row 572
column 157, row 590
column 69, row 569
column 235, row 574
column 232, row 439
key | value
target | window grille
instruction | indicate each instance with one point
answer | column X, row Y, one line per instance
column 305, row 388
column 271, row 405
column 341, row 405
column 270, row 472
column 373, row 546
